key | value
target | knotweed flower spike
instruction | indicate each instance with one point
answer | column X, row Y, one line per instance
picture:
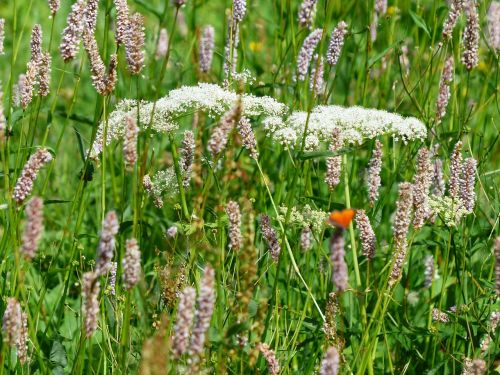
column 421, row 185
column 112, row 278
column 90, row 302
column 122, row 21
column 70, row 39
column 131, row 264
column 270, row 356
column 239, row 10
column 248, row 137
column 401, row 225
column 22, row 341
column 456, row 7
column 103, row 83
column 220, row 134
column 474, row 366
column 306, row 239
column 493, row 18
column 45, row 72
column 106, row 247
column 306, row 53
column 438, row 184
column 12, row 322
column 439, row 316
column 366, row 234
column 18, row 90
column 36, row 44
column 162, row 46
column 334, row 163
column 90, row 15
column 33, row 229
column 330, row 325
column 316, row 80
column 31, row 80
column 373, row 173
column 2, row 35
column 206, row 302
column 234, row 217
column 337, row 254
column 3, row 122
column 469, row 180
column 271, row 238
column 428, row 271
column 207, row 43
column 54, row 6
column 25, row 182
column 307, row 11
column 188, row 99
column 187, row 157
column 336, row 43
column 183, row 322
column 456, row 172
column 497, row 264
column 470, row 38
column 134, row 44
column 130, row 143
column 444, row 89
column 331, row 362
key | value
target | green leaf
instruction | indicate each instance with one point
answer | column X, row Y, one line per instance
column 58, row 354
column 420, row 22
column 378, row 57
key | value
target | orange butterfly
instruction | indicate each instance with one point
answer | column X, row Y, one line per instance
column 341, row 219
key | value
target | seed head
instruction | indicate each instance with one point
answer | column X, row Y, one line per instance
column 106, row 246
column 207, row 48
column 184, row 321
column 271, row 238
column 131, row 264
column 366, row 234
column 90, row 304
column 336, row 43
column 34, row 228
column 374, row 169
column 25, row 182
column 306, row 53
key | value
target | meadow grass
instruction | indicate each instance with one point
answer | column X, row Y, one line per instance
column 242, row 267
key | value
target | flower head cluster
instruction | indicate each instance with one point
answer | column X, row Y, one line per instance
column 248, row 137
column 304, row 216
column 451, row 210
column 25, row 182
column 234, row 217
column 355, row 123
column 205, row 97
column 184, row 321
column 71, row 34
column 134, row 43
column 239, row 10
column 130, row 143
column 453, row 14
column 12, row 322
column 90, row 304
column 421, row 184
column 187, row 157
column 334, row 163
column 366, row 233
column 316, row 80
column 373, row 173
column 220, row 134
column 122, row 20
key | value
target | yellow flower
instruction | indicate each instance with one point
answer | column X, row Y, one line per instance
column 391, row 10
column 255, row 46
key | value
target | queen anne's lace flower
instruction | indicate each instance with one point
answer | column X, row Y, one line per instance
column 209, row 98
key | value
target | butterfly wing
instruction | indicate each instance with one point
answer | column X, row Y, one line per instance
column 342, row 219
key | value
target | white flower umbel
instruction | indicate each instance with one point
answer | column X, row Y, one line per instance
column 209, row 98
column 357, row 124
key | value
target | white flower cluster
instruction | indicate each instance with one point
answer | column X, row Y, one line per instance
column 449, row 209
column 305, row 217
column 205, row 97
column 356, row 124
